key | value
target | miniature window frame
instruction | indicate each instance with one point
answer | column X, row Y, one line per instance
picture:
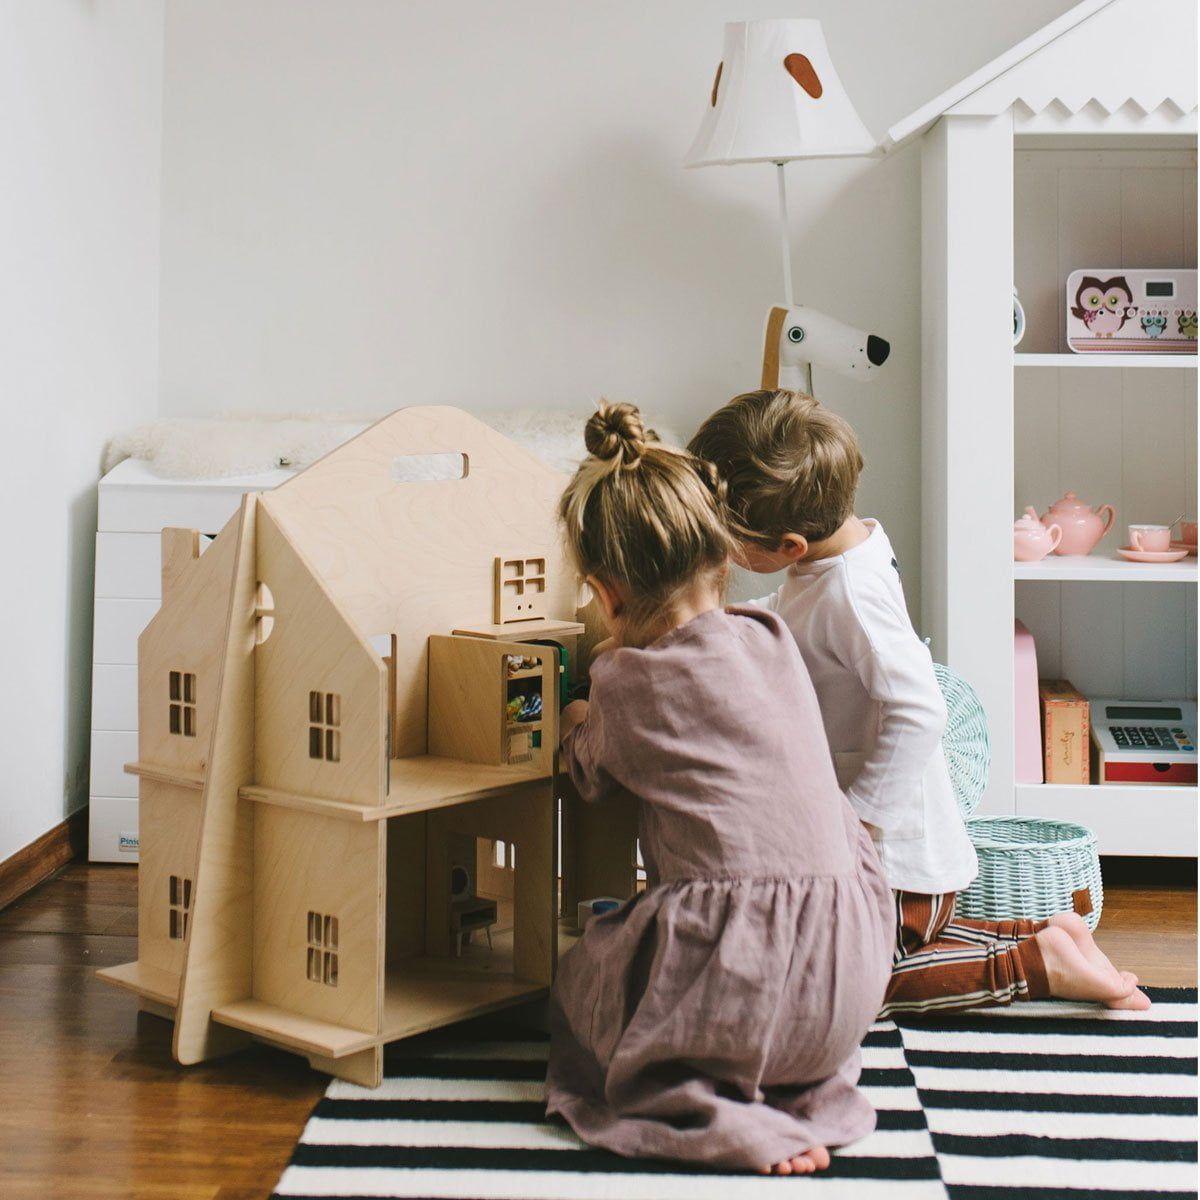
column 181, row 703
column 324, row 726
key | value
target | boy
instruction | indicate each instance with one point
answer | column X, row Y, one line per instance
column 792, row 470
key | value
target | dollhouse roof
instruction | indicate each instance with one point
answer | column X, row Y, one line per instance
column 1110, row 53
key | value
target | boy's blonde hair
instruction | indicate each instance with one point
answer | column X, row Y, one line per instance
column 645, row 516
column 790, row 465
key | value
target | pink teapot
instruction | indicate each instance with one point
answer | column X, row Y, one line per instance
column 1032, row 540
column 1082, row 527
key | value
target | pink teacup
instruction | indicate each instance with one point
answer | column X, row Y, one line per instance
column 1152, row 538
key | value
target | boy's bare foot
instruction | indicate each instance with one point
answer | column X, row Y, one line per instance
column 1073, row 976
column 1076, row 928
column 814, row 1159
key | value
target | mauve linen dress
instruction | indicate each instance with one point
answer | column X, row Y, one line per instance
column 717, row 1016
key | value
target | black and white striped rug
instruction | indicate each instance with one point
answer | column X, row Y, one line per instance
column 1041, row 1101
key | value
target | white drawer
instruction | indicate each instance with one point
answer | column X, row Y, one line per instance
column 112, row 829
column 114, row 697
column 118, row 624
column 135, row 500
column 111, row 750
column 128, row 566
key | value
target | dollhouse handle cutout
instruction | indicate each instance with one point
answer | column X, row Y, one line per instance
column 429, row 468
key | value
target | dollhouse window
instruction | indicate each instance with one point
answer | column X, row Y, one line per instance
column 181, row 714
column 179, row 905
column 322, row 965
column 324, row 722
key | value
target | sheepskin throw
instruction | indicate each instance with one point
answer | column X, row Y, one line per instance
column 211, row 448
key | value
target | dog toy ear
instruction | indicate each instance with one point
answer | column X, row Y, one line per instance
column 770, row 368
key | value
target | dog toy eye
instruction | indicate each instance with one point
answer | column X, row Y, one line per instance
column 795, row 334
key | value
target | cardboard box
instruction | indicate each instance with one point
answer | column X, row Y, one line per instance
column 1066, row 732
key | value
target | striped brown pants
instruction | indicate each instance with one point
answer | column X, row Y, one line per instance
column 941, row 963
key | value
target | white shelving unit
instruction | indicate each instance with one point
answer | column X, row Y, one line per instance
column 1077, row 148
column 1105, row 569
column 1184, row 362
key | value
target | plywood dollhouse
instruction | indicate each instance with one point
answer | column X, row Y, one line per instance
column 1074, row 149
column 348, row 713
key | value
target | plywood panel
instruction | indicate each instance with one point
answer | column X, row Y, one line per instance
column 187, row 635
column 218, row 965
column 169, row 829
column 313, row 647
column 416, row 559
column 307, row 863
column 405, row 935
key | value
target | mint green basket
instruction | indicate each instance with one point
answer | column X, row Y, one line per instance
column 1028, row 866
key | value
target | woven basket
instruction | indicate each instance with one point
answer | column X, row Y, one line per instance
column 1028, row 867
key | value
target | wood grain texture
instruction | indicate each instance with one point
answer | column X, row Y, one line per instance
column 217, row 965
column 391, row 569
column 104, row 1112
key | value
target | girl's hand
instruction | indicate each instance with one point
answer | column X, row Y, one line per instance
column 573, row 715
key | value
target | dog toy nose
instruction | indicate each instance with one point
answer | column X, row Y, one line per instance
column 877, row 350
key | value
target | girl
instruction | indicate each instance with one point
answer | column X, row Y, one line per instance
column 717, row 1016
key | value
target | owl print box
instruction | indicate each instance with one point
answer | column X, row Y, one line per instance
column 1131, row 312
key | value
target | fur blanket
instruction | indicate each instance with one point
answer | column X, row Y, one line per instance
column 211, row 448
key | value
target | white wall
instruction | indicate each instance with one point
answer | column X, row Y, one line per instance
column 80, row 136
column 373, row 203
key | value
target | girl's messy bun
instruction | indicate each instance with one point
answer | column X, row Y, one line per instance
column 616, row 431
column 653, row 531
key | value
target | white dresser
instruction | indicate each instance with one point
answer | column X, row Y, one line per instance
column 135, row 505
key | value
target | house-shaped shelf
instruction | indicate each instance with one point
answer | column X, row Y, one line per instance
column 348, row 710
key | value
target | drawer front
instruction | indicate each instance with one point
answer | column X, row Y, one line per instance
column 118, row 624
column 114, row 697
column 112, row 829
column 128, row 566
column 151, row 510
column 111, row 750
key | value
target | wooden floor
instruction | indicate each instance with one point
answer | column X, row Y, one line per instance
column 93, row 1106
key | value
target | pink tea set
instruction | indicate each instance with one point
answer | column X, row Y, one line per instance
column 1072, row 527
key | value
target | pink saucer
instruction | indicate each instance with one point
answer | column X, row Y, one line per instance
column 1189, row 547
column 1151, row 556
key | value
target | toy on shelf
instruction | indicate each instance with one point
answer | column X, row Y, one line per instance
column 336, row 792
column 1144, row 741
column 1032, row 540
column 798, row 338
column 1081, row 526
column 1113, row 310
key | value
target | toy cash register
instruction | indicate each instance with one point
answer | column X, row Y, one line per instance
column 1144, row 741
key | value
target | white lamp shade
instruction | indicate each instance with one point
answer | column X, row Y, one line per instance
column 776, row 96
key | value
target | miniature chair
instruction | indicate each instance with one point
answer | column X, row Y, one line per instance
column 1028, row 866
column 475, row 912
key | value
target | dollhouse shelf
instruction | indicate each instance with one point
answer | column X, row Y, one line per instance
column 1123, row 361
column 151, row 983
column 1126, row 818
column 1098, row 568
column 524, row 631
column 420, row 994
column 193, row 780
column 416, row 784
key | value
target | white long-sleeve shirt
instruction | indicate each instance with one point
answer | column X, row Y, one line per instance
column 883, row 710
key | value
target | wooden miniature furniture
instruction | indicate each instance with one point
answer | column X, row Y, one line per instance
column 326, row 728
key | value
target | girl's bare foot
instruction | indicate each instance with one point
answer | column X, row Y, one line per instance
column 1072, row 976
column 1076, row 928
column 814, row 1159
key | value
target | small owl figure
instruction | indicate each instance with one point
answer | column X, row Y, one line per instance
column 1102, row 304
column 1187, row 323
column 1153, row 324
